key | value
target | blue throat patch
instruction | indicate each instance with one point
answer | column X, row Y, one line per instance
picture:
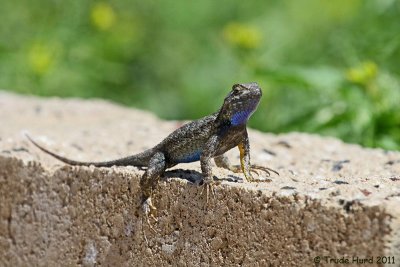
column 240, row 117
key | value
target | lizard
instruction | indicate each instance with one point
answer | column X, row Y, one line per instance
column 200, row 140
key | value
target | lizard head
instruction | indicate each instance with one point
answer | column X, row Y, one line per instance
column 240, row 103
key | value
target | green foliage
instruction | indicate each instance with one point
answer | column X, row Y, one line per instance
column 329, row 67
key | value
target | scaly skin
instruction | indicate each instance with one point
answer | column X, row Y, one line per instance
column 203, row 139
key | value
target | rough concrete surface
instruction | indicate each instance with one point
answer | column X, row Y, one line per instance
column 332, row 200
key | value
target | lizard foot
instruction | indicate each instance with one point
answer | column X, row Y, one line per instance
column 149, row 210
column 208, row 187
column 256, row 168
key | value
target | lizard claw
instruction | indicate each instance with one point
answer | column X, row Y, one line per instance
column 267, row 170
column 149, row 210
column 208, row 186
column 254, row 171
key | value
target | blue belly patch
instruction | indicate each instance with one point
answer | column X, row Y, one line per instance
column 195, row 156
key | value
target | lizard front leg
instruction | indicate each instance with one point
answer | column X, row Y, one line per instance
column 245, row 166
column 148, row 182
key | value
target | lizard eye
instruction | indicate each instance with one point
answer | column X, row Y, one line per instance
column 236, row 88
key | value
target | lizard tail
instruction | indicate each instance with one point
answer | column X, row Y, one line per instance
column 138, row 160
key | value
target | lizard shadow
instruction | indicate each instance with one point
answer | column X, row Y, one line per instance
column 196, row 177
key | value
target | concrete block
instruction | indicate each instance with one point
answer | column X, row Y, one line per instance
column 333, row 202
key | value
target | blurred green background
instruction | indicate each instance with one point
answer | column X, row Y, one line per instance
column 327, row 67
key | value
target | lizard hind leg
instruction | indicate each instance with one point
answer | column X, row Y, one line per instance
column 206, row 168
column 148, row 182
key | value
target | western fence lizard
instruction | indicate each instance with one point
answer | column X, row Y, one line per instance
column 203, row 139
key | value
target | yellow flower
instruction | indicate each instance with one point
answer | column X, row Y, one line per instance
column 243, row 36
column 41, row 57
column 363, row 73
column 102, row 16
